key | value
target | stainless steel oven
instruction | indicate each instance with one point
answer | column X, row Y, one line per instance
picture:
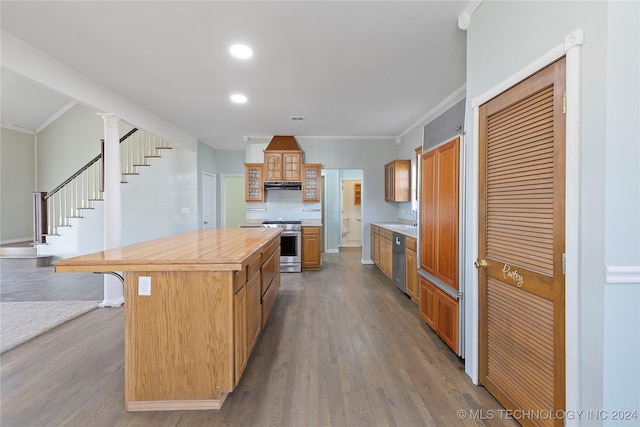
column 290, row 245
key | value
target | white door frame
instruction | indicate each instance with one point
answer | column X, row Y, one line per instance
column 571, row 48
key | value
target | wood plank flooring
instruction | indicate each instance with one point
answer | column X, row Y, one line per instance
column 343, row 347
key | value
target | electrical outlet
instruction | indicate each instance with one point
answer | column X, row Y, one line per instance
column 144, row 285
column 186, row 211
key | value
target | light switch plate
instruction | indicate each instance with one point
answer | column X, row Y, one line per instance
column 144, row 285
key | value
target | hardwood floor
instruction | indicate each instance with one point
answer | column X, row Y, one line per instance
column 342, row 347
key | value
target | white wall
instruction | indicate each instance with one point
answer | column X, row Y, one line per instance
column 66, row 145
column 153, row 202
column 505, row 37
column 17, row 182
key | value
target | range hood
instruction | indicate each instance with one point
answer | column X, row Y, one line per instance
column 283, row 143
column 282, row 185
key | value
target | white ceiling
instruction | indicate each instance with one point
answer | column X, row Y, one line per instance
column 351, row 68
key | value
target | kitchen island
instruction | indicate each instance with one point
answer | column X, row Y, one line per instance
column 195, row 305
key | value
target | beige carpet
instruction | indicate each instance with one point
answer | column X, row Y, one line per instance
column 22, row 321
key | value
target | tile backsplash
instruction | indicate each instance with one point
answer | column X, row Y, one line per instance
column 285, row 205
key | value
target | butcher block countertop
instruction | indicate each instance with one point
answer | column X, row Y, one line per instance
column 200, row 250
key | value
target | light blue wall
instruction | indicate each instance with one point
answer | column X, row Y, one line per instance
column 622, row 208
column 17, row 182
column 505, row 37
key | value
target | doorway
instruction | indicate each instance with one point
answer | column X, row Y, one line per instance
column 234, row 206
column 351, row 213
column 209, row 217
column 522, row 244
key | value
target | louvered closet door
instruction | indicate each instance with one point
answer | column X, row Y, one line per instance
column 522, row 161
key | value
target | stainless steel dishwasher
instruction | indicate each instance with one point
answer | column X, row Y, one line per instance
column 398, row 262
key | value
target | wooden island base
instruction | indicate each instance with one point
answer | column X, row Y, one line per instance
column 187, row 342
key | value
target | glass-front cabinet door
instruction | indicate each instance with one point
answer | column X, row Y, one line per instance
column 253, row 185
column 311, row 182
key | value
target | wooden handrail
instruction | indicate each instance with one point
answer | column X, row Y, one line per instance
column 85, row 167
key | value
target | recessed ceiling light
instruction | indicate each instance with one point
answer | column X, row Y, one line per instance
column 241, row 51
column 238, row 98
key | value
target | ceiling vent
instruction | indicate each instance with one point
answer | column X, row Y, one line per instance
column 296, row 118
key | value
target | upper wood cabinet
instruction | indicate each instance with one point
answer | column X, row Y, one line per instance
column 357, row 193
column 311, row 182
column 253, row 182
column 283, row 166
column 397, row 181
column 439, row 213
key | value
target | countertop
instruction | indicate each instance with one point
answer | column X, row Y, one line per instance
column 200, row 250
column 406, row 229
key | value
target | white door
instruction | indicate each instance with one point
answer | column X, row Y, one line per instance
column 209, row 219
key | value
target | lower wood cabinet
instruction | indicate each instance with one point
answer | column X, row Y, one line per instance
column 270, row 282
column 254, row 311
column 253, row 300
column 386, row 251
column 375, row 244
column 240, row 322
column 411, row 268
column 311, row 257
column 440, row 311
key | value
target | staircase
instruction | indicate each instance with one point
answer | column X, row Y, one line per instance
column 72, row 204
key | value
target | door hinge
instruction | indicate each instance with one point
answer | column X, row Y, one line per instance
column 564, row 263
column 564, row 103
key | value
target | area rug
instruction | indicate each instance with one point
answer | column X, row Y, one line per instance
column 22, row 321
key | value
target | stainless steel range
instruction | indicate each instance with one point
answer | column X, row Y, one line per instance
column 290, row 244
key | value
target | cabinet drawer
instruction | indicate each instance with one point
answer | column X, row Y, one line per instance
column 387, row 234
column 311, row 230
column 240, row 280
column 268, row 250
column 253, row 265
column 268, row 272
column 410, row 243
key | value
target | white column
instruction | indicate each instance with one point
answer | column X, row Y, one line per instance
column 113, row 288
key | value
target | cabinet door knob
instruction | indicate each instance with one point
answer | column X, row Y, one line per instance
column 480, row 263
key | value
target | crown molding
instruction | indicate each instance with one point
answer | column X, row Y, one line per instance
column 464, row 19
column 57, row 114
column 444, row 105
column 263, row 138
column 17, row 128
